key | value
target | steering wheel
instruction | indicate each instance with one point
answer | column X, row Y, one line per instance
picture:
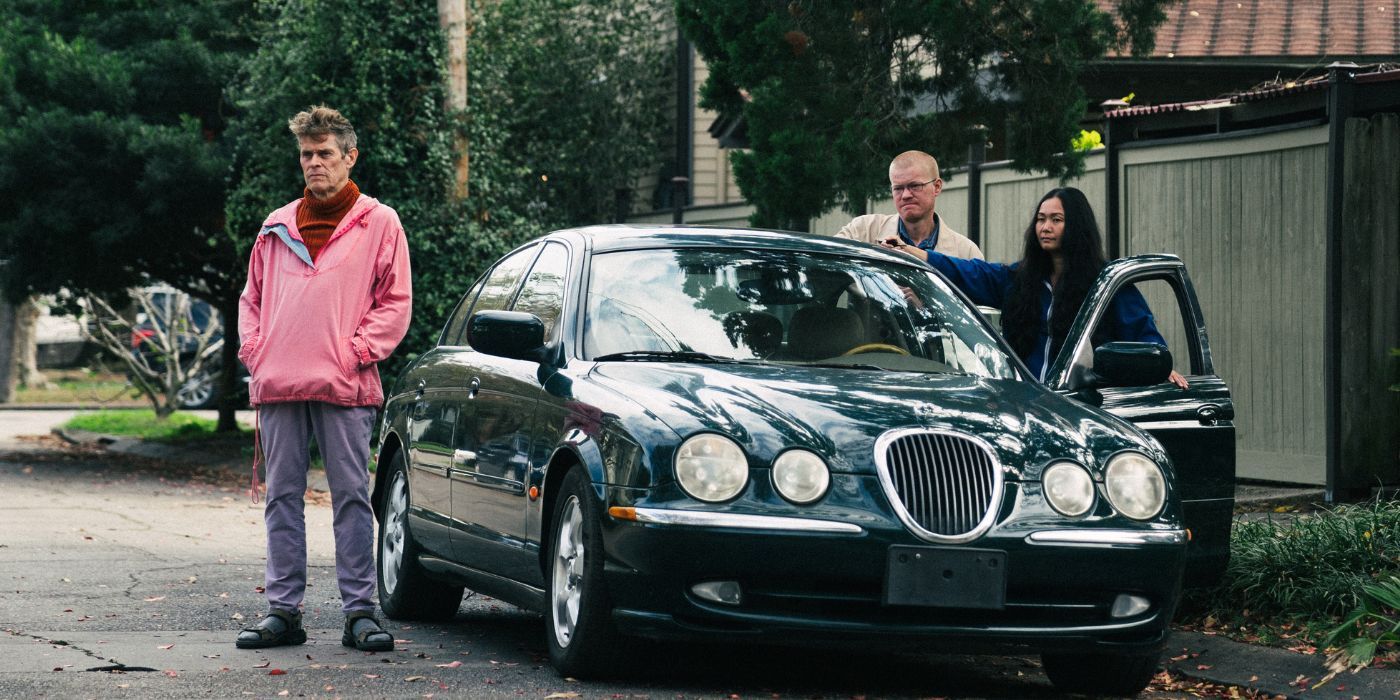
column 875, row 347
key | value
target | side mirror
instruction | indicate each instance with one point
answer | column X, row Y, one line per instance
column 1130, row 364
column 519, row 336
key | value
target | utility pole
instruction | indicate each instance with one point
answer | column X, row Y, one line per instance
column 452, row 16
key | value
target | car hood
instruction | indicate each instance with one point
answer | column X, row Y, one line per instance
column 839, row 412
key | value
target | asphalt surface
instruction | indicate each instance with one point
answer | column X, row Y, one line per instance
column 123, row 576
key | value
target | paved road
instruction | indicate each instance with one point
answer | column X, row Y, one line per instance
column 121, row 579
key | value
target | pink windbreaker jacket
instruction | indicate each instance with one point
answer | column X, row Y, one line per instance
column 314, row 332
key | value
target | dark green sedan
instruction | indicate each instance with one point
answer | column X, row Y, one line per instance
column 747, row 435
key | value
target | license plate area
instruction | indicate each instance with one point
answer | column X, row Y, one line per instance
column 946, row 577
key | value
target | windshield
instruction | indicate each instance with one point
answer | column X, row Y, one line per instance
column 716, row 305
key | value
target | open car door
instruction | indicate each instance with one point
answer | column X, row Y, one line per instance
column 1195, row 425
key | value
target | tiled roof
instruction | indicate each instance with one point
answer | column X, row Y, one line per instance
column 1221, row 29
column 1314, row 84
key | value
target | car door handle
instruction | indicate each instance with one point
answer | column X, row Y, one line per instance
column 473, row 387
column 465, row 458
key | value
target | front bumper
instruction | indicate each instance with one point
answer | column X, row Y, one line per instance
column 815, row 580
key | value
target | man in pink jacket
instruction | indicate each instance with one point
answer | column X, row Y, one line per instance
column 328, row 297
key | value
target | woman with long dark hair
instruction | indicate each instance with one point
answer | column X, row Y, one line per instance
column 1040, row 295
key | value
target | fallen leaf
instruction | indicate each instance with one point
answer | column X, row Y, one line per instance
column 166, row 646
column 155, row 598
column 264, row 664
column 276, row 672
column 413, row 679
column 172, row 674
column 1203, row 667
column 560, row 696
column 371, row 675
column 284, row 693
column 192, row 579
column 454, row 664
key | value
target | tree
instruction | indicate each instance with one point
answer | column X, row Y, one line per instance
column 830, row 90
column 570, row 100
column 113, row 163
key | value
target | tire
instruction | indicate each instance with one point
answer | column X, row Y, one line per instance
column 1101, row 674
column 578, row 615
column 200, row 391
column 405, row 590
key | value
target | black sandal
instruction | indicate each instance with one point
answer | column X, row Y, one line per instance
column 371, row 637
column 265, row 633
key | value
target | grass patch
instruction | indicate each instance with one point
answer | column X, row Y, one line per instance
column 83, row 387
column 1291, row 581
column 143, row 424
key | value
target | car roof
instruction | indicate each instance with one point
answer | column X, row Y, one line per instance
column 637, row 237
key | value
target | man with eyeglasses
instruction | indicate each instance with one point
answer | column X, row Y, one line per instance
column 914, row 185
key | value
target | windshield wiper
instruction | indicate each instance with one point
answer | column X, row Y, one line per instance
column 663, row 356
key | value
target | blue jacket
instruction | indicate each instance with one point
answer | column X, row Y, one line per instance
column 989, row 284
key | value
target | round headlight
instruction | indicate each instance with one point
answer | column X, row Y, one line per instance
column 711, row 468
column 1069, row 488
column 800, row 476
column 1135, row 485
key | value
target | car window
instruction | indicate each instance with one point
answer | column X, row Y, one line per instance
column 785, row 306
column 504, row 279
column 1168, row 316
column 455, row 332
column 543, row 293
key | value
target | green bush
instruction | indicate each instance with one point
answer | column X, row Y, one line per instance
column 1315, row 565
column 1297, row 577
column 1372, row 625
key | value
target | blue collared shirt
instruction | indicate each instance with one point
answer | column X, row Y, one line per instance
column 928, row 243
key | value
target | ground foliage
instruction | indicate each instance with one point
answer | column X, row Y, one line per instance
column 830, row 90
column 1291, row 578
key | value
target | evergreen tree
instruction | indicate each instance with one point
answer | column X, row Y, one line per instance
column 830, row 90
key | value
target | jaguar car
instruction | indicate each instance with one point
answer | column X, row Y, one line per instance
column 685, row 433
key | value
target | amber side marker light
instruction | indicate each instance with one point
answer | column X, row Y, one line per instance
column 534, row 493
column 623, row 512
column 1188, row 534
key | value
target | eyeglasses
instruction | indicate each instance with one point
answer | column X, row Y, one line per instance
column 913, row 187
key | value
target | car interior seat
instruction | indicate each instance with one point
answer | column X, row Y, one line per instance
column 759, row 331
column 823, row 331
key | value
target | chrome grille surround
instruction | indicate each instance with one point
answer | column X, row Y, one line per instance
column 944, row 486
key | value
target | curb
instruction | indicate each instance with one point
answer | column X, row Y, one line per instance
column 1270, row 670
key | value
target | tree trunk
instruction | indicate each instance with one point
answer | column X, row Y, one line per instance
column 230, row 393
column 453, row 17
column 7, row 348
column 27, row 344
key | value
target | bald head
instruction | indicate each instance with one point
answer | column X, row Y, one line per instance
column 916, row 161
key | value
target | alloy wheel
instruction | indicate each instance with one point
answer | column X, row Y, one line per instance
column 568, row 571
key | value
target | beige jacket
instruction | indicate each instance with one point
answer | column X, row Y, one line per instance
column 873, row 228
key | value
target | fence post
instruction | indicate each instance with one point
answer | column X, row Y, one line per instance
column 976, row 156
column 1113, row 195
column 1340, row 99
column 685, row 81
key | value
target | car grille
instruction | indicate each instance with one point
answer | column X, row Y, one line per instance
column 943, row 486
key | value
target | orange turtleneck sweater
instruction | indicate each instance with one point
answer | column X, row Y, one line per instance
column 317, row 219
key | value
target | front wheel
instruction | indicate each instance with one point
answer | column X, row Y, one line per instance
column 579, row 631
column 405, row 591
column 1101, row 674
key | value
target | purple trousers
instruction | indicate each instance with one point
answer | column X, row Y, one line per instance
column 342, row 434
